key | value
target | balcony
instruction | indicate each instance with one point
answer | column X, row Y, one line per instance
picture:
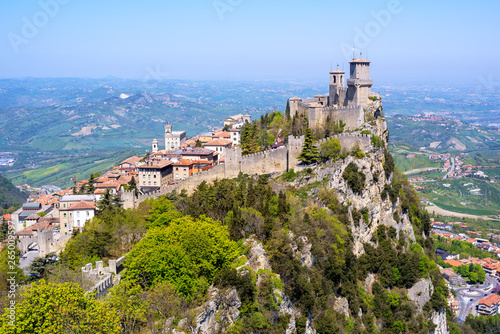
column 362, row 82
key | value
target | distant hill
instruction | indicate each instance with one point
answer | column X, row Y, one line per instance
column 10, row 195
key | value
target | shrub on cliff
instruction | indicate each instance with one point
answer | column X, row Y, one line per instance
column 354, row 178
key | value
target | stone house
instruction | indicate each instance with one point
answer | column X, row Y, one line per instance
column 182, row 169
column 153, row 175
column 219, row 146
column 488, row 305
column 235, row 136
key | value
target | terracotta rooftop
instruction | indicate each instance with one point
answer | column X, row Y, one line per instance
column 82, row 205
column 295, row 98
column 43, row 225
column 159, row 164
column 34, row 216
column 132, row 160
column 7, row 217
column 109, row 184
column 197, row 151
column 184, row 162
column 218, row 142
column 222, row 134
column 359, row 60
column 490, row 300
column 453, row 263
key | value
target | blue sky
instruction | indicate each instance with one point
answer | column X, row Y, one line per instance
column 248, row 39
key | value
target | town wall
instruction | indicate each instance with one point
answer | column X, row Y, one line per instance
column 349, row 141
column 209, row 175
column 276, row 160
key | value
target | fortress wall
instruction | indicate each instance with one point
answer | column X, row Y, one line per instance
column 348, row 141
column 210, row 175
column 351, row 116
column 294, row 148
column 277, row 160
column 266, row 162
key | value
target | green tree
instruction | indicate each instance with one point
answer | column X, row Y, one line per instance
column 131, row 305
column 109, row 204
column 198, row 143
column 354, row 177
column 309, row 153
column 90, row 185
column 330, row 149
column 186, row 254
column 249, row 138
column 287, row 110
column 60, row 308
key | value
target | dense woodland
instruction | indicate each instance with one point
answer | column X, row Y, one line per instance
column 10, row 196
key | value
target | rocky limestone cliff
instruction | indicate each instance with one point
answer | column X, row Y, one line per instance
column 439, row 319
column 219, row 312
column 380, row 211
column 421, row 293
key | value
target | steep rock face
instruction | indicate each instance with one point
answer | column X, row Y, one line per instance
column 302, row 249
column 219, row 312
column 257, row 257
column 341, row 305
column 380, row 211
column 439, row 319
column 421, row 293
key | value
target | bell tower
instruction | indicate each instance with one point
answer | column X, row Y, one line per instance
column 154, row 146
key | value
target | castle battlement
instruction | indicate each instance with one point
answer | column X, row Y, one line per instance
column 343, row 103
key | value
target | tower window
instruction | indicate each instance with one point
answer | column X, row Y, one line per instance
column 334, row 79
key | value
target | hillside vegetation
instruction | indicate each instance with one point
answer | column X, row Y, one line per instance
column 10, row 196
column 277, row 253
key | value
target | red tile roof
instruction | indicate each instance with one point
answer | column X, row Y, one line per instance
column 184, row 162
column 453, row 263
column 218, row 142
column 82, row 205
column 490, row 300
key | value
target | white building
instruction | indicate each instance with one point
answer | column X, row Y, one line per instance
column 219, row 145
column 173, row 139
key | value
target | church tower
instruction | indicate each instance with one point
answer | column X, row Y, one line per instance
column 359, row 84
column 154, row 147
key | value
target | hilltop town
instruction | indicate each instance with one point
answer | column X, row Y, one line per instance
column 334, row 155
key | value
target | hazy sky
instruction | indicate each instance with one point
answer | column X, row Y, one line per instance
column 248, row 39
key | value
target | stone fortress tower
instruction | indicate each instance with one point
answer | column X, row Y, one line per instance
column 173, row 139
column 343, row 103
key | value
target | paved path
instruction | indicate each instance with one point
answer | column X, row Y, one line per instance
column 26, row 259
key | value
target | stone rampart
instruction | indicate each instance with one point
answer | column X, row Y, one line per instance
column 276, row 160
column 348, row 141
column 102, row 287
column 271, row 161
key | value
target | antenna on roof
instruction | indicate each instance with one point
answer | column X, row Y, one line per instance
column 353, row 52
